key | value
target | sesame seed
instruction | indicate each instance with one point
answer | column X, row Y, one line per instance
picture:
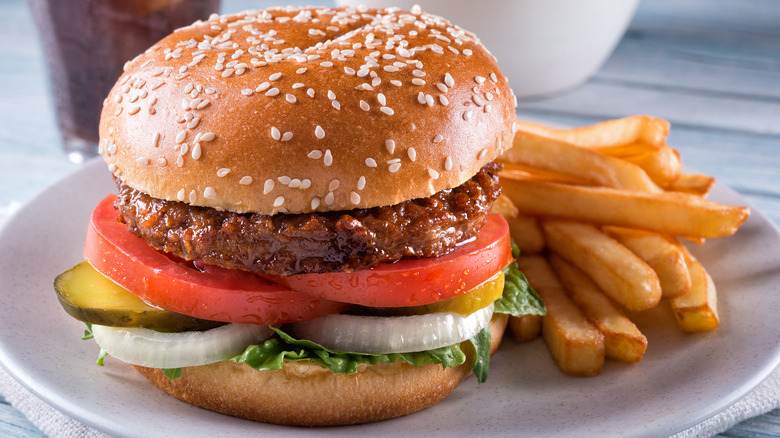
column 156, row 139
column 362, row 72
column 134, row 110
column 162, row 162
column 493, row 78
column 315, row 154
column 275, row 134
column 438, row 138
column 479, row 79
column 354, row 198
column 193, row 123
column 274, row 76
column 183, row 149
column 297, row 85
column 418, row 81
column 272, row 92
column 287, row 136
column 370, row 162
column 196, row 151
column 433, row 174
column 305, row 184
column 349, row 70
column 390, row 68
column 381, row 99
column 467, row 115
column 262, row 87
column 210, row 193
column 448, row 80
column 489, row 96
column 223, row 172
column 443, row 88
column 396, row 82
column 421, row 98
column 227, row 72
column 203, row 104
column 336, row 104
column 327, row 159
column 315, row 202
column 331, row 95
column 329, row 198
column 193, row 196
column 290, row 98
column 488, row 108
column 478, row 100
column 245, row 181
column 387, row 110
column 418, row 73
column 448, row 163
column 267, row 186
column 180, row 161
column 334, row 184
column 181, row 136
column 207, row 136
column 143, row 161
column 284, row 179
column 326, row 64
column 482, row 154
column 361, row 184
column 279, row 201
column 412, row 153
column 181, row 194
column 393, row 168
column 301, row 70
column 390, row 146
column 310, row 92
column 467, row 52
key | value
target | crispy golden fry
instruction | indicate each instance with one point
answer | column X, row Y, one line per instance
column 697, row 310
column 670, row 213
column 662, row 164
column 575, row 344
column 521, row 170
column 622, row 339
column 693, row 183
column 661, row 253
column 525, row 328
column 635, row 129
column 622, row 275
column 558, row 156
column 505, row 208
column 527, row 234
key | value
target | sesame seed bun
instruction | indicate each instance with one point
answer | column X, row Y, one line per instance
column 307, row 109
column 305, row 394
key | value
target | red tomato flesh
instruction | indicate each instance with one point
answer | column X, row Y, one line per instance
column 230, row 295
column 213, row 293
column 414, row 282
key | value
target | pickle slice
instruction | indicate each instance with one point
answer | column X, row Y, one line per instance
column 90, row 297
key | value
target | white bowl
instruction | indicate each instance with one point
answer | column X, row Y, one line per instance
column 542, row 46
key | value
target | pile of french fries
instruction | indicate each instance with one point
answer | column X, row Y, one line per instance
column 598, row 213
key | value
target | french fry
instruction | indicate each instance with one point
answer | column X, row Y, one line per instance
column 505, row 208
column 670, row 213
column 661, row 164
column 525, row 328
column 622, row 275
column 696, row 184
column 664, row 256
column 565, row 158
column 574, row 343
column 527, row 234
column 634, row 129
column 541, row 175
column 622, row 339
column 697, row 310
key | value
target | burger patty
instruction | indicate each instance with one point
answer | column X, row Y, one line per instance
column 287, row 244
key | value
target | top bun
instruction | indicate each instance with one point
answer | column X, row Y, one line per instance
column 293, row 110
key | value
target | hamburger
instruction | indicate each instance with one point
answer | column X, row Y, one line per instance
column 301, row 232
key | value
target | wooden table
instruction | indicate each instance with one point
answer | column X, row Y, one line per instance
column 712, row 68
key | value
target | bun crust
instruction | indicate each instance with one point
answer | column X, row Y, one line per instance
column 305, row 394
column 296, row 110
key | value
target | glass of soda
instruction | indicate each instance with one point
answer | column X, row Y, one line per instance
column 87, row 43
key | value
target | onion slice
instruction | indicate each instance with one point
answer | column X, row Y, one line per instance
column 149, row 348
column 392, row 334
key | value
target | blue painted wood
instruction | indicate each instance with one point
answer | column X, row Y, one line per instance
column 711, row 67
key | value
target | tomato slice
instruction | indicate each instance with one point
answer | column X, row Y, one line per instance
column 415, row 282
column 210, row 292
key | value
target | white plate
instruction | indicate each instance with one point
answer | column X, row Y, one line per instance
column 681, row 381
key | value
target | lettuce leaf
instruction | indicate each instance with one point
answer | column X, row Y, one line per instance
column 519, row 298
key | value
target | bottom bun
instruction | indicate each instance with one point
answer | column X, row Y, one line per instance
column 306, row 394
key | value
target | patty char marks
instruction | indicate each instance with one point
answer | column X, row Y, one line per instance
column 287, row 244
